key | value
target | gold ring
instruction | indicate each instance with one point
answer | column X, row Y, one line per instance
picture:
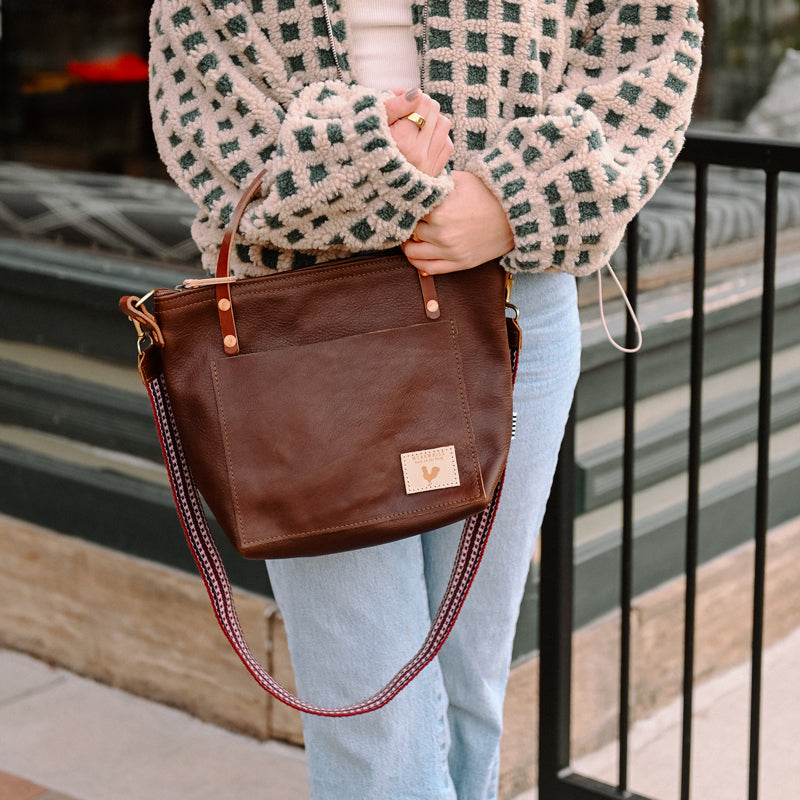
column 414, row 237
column 417, row 119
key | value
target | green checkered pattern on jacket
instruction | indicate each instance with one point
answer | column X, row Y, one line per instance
column 571, row 111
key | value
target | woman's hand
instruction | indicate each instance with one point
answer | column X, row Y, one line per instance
column 468, row 228
column 429, row 148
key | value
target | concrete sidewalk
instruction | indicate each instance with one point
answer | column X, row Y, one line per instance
column 91, row 742
column 720, row 731
column 63, row 737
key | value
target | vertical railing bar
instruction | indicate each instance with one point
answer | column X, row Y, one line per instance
column 626, row 567
column 555, row 619
column 762, row 476
column 693, row 502
column 556, row 781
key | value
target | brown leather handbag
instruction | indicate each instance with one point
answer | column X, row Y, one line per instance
column 332, row 408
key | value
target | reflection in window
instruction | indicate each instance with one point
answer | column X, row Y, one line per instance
column 73, row 85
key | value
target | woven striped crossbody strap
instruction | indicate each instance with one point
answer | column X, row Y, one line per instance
column 206, row 555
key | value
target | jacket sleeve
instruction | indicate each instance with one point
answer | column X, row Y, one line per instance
column 224, row 106
column 571, row 178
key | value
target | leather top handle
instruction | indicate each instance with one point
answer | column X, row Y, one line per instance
column 227, row 323
column 223, row 280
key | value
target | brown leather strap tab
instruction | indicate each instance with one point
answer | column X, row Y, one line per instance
column 514, row 333
column 227, row 323
column 151, row 338
column 149, row 363
column 133, row 308
column 428, row 286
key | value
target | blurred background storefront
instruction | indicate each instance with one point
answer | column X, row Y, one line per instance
column 73, row 86
column 73, row 77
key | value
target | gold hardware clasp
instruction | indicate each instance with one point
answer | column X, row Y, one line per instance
column 150, row 338
column 509, row 285
column 145, row 337
column 515, row 311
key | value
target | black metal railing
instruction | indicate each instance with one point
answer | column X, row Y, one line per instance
column 557, row 780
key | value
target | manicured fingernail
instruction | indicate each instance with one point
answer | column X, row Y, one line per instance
column 412, row 94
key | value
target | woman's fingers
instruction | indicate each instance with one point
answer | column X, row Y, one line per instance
column 425, row 123
column 468, row 228
column 427, row 258
column 401, row 105
column 441, row 147
column 428, row 148
column 422, row 249
column 424, row 140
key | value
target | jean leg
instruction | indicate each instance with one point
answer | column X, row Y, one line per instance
column 475, row 660
column 352, row 620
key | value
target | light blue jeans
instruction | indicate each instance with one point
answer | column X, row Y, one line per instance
column 353, row 619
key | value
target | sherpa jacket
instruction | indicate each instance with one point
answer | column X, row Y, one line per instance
column 571, row 111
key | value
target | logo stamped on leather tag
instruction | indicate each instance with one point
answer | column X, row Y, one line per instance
column 425, row 470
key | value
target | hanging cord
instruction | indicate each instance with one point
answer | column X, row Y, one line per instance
column 627, row 305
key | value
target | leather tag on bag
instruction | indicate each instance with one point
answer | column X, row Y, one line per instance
column 425, row 470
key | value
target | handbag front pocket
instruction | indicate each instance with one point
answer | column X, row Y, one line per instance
column 321, row 444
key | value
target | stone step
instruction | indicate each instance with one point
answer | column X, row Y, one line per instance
column 730, row 420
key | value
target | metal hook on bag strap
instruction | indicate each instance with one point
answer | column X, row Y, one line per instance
column 512, row 322
column 145, row 323
column 149, row 334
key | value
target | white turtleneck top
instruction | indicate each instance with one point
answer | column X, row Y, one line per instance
column 383, row 54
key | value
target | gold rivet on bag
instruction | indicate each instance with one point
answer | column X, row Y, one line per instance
column 224, row 304
column 230, row 341
column 432, row 306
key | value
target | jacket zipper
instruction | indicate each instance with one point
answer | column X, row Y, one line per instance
column 332, row 40
column 424, row 54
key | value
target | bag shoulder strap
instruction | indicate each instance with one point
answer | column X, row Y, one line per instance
column 206, row 555
column 195, row 524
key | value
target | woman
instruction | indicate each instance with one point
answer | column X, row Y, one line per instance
column 461, row 130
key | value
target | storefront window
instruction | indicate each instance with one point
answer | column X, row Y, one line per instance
column 745, row 42
column 73, row 77
column 73, row 85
